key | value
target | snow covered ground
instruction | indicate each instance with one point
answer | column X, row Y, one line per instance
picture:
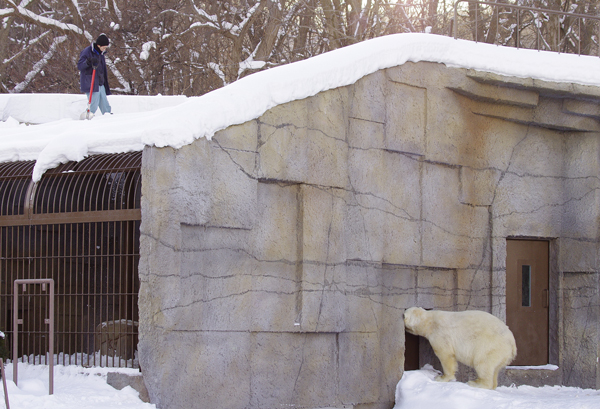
column 418, row 390
column 76, row 387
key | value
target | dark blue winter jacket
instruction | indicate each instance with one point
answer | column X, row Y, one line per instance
column 85, row 68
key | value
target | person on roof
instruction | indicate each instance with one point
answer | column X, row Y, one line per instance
column 93, row 57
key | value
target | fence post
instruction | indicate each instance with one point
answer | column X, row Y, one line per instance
column 535, row 12
column 455, row 22
column 4, row 383
column 49, row 321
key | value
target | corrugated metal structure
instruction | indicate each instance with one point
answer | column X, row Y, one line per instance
column 79, row 226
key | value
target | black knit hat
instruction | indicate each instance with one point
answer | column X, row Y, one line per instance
column 102, row 40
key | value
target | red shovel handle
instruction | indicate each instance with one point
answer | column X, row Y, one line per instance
column 92, row 87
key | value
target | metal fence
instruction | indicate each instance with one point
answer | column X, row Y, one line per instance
column 80, row 227
column 520, row 26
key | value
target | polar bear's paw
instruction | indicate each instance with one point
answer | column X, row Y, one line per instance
column 480, row 383
column 445, row 378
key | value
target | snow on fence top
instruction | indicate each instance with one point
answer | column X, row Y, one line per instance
column 63, row 140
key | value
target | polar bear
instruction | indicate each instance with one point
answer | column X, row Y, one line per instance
column 473, row 338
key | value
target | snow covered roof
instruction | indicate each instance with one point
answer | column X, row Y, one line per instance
column 68, row 139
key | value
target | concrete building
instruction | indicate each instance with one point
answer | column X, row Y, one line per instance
column 281, row 254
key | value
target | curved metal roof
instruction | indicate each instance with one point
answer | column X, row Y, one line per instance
column 97, row 184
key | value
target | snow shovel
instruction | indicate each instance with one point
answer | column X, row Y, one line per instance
column 87, row 114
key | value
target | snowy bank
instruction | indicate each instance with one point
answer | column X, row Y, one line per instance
column 42, row 108
column 75, row 387
column 200, row 117
column 418, row 390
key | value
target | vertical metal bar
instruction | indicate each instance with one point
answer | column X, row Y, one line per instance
column 75, row 292
column 579, row 37
column 30, row 323
column 497, row 23
column 62, row 277
column 15, row 331
column 29, row 316
column 51, row 329
column 3, row 289
column 25, row 273
column 91, row 285
column 97, row 308
column 51, row 336
column 118, row 309
column 558, row 33
column 123, row 273
column 537, row 30
column 103, row 297
column 116, row 286
column 125, row 288
column 108, row 271
column 476, row 22
column 50, row 261
column 455, row 25
column 68, row 290
column 4, row 383
column 38, row 305
column 10, row 231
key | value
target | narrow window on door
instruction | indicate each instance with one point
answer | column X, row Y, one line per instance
column 526, row 286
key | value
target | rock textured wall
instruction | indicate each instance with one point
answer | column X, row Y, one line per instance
column 277, row 259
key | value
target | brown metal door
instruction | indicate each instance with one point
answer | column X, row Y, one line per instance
column 527, row 299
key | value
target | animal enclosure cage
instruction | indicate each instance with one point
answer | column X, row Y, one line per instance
column 79, row 226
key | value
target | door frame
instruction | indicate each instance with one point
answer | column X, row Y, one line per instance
column 554, row 287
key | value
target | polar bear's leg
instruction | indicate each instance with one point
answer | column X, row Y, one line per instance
column 486, row 376
column 496, row 372
column 449, row 366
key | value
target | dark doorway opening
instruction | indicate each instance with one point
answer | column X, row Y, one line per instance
column 411, row 352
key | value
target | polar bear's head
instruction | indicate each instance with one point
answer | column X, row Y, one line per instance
column 413, row 318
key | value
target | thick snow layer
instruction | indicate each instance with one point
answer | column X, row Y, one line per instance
column 200, row 117
column 418, row 390
column 75, row 387
column 44, row 108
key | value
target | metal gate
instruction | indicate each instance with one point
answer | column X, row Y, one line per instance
column 79, row 226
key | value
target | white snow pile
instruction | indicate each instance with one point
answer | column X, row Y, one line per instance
column 66, row 138
column 43, row 108
column 418, row 390
column 75, row 387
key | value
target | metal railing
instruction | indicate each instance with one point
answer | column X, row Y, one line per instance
column 47, row 321
column 79, row 226
column 3, row 374
column 529, row 21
